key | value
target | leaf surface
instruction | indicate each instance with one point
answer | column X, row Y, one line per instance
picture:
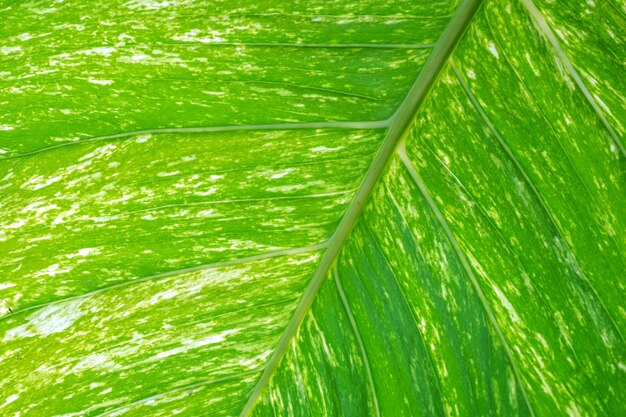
column 312, row 208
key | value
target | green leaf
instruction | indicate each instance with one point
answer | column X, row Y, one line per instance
column 407, row 208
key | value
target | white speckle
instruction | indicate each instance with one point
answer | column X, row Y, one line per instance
column 139, row 57
column 92, row 362
column 191, row 344
column 51, row 271
column 507, row 304
column 532, row 66
column 124, row 36
column 100, row 82
column 286, row 188
column 171, row 352
column 84, row 252
column 6, row 285
column 106, row 391
column 143, row 138
column 471, row 74
column 572, row 410
column 559, row 33
column 101, row 50
column 281, row 174
column 38, row 182
column 168, row 174
column 6, row 127
column 194, row 36
column 54, row 318
column 207, row 213
column 493, row 50
column 209, row 191
column 16, row 224
column 123, row 198
column 164, row 295
column 6, row 50
column 325, row 149
column 10, row 399
column 147, row 4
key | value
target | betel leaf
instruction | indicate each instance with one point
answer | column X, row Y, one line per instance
column 312, row 208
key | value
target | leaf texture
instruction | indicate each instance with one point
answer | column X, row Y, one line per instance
column 312, row 208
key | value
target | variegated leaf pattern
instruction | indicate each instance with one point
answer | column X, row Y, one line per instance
column 312, row 208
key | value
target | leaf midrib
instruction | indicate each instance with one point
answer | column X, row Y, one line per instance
column 400, row 121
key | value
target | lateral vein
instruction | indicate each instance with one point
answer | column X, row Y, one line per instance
column 180, row 389
column 357, row 335
column 371, row 124
column 282, row 252
column 549, row 34
column 463, row 259
column 534, row 190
